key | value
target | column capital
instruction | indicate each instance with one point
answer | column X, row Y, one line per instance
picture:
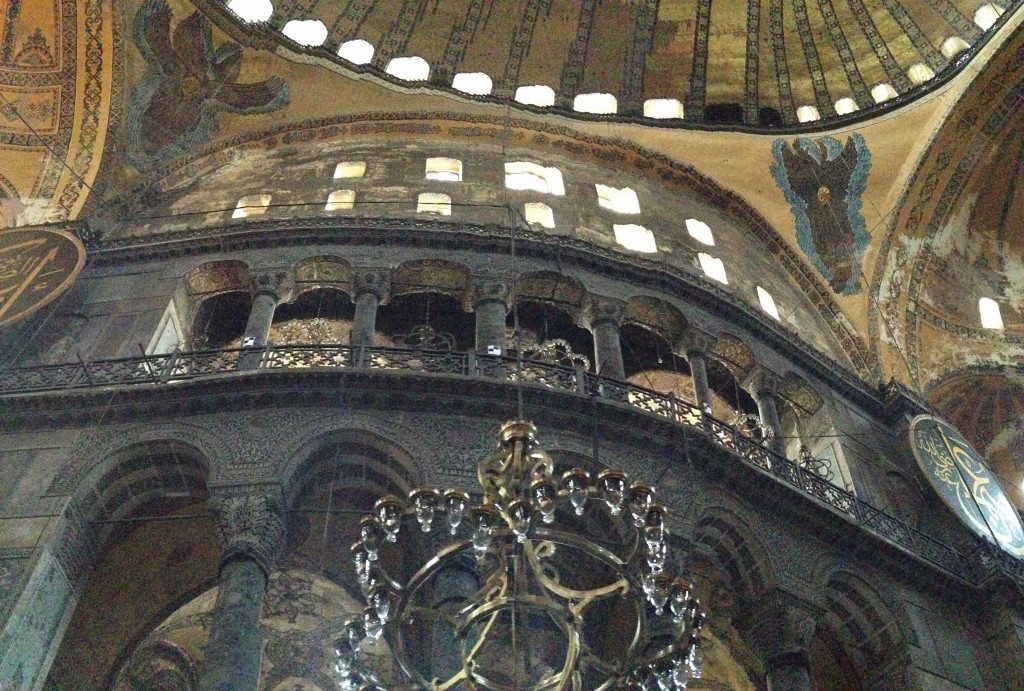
column 491, row 290
column 276, row 283
column 696, row 341
column 374, row 281
column 761, row 381
column 601, row 310
column 250, row 523
column 781, row 629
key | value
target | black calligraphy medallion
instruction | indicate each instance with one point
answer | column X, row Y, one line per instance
column 36, row 266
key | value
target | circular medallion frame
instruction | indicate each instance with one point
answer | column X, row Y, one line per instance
column 37, row 265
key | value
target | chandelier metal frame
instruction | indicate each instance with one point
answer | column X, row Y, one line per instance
column 514, row 537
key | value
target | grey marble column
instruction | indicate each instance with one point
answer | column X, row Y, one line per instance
column 696, row 344
column 371, row 287
column 269, row 291
column 605, row 317
column 251, row 525
column 491, row 310
column 781, row 635
column 763, row 386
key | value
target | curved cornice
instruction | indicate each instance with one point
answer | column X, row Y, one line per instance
column 560, row 140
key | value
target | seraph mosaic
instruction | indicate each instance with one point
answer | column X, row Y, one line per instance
column 823, row 181
column 187, row 82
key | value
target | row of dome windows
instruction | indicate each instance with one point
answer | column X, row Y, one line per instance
column 313, row 32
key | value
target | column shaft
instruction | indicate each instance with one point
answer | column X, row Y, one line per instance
column 257, row 329
column 364, row 324
column 769, row 412
column 490, row 325
column 699, row 374
column 608, row 350
column 235, row 651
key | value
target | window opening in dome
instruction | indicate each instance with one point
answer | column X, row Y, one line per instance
column 434, row 203
column 767, row 302
column 410, row 69
column 599, row 104
column 536, row 95
column 845, row 106
column 251, row 205
column 539, row 213
column 523, row 175
column 991, row 318
column 476, row 83
column 340, row 200
column 252, row 10
column 920, row 73
column 634, row 237
column 446, row 169
column 713, row 267
column 306, row 32
column 807, row 114
column 622, row 201
column 988, row 15
column 953, row 46
column 663, row 108
column 356, row 51
column 883, row 92
column 350, row 169
column 700, row 231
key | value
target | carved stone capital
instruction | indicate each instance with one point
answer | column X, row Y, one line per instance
column 375, row 281
column 695, row 341
column 761, row 381
column 781, row 629
column 276, row 283
column 491, row 291
column 250, row 523
column 604, row 310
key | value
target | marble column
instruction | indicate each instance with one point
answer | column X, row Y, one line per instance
column 491, row 310
column 781, row 635
column 605, row 318
column 697, row 344
column 251, row 526
column 763, row 386
column 268, row 293
column 370, row 289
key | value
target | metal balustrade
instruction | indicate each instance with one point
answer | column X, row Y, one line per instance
column 163, row 370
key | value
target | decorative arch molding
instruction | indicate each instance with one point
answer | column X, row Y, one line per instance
column 656, row 315
column 729, row 542
column 555, row 139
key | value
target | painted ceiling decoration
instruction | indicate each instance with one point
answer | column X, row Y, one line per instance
column 750, row 63
column 823, row 181
column 188, row 80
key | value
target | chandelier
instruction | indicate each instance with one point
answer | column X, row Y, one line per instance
column 545, row 584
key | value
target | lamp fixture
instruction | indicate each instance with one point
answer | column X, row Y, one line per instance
column 545, row 584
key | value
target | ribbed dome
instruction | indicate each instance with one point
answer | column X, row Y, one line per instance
column 759, row 63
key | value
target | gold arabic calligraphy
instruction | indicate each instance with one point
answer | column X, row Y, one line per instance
column 36, row 265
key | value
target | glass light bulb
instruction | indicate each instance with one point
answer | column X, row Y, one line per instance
column 656, row 556
column 481, row 541
column 456, row 505
column 382, row 604
column 370, row 532
column 389, row 512
column 578, row 499
column 658, row 598
column 374, row 626
column 355, row 632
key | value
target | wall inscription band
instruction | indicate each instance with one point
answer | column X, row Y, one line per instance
column 36, row 266
column 969, row 488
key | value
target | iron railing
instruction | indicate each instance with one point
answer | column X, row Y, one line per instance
column 168, row 369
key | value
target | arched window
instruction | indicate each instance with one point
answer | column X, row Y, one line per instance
column 350, row 169
column 410, row 69
column 434, row 203
column 539, row 213
column 807, row 114
column 621, row 201
column 536, row 95
column 600, row 104
column 634, row 237
column 340, row 200
column 446, row 169
column 476, row 83
column 988, row 15
column 700, row 231
column 523, row 175
column 251, row 205
column 991, row 318
column 920, row 73
column 953, row 46
column 845, row 106
column 306, row 32
column 356, row 51
column 883, row 92
column 663, row 108
column 252, row 10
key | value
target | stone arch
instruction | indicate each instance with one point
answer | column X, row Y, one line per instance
column 656, row 315
column 554, row 288
column 322, row 271
column 433, row 276
column 870, row 625
column 726, row 540
column 734, row 353
column 203, row 290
